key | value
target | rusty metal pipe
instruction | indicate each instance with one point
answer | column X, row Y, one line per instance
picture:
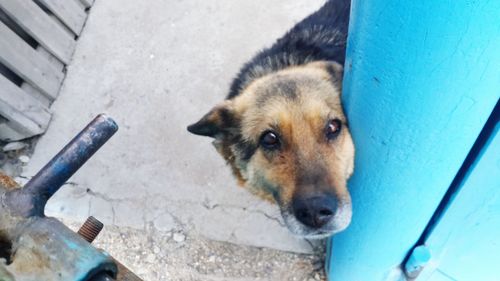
column 51, row 177
column 31, row 200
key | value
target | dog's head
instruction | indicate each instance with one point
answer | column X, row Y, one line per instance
column 286, row 138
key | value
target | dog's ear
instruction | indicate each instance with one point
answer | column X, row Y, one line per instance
column 216, row 123
column 336, row 71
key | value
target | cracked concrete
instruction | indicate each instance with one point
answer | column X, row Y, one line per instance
column 155, row 68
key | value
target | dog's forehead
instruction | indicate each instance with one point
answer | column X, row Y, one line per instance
column 288, row 100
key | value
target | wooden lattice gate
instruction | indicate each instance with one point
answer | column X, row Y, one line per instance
column 37, row 40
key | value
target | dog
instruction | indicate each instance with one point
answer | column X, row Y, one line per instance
column 282, row 128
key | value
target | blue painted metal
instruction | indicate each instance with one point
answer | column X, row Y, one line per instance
column 38, row 248
column 65, row 255
column 31, row 200
column 72, row 157
column 419, row 257
column 421, row 79
column 465, row 241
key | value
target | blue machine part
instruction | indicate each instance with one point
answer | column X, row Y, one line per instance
column 418, row 259
column 421, row 79
column 36, row 248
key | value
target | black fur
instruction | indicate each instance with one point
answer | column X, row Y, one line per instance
column 286, row 89
column 319, row 37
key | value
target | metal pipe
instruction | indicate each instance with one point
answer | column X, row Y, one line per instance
column 51, row 177
column 31, row 200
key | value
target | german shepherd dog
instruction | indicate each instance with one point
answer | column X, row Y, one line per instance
column 282, row 128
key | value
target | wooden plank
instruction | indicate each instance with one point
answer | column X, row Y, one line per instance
column 41, row 27
column 23, row 102
column 8, row 133
column 36, row 94
column 69, row 12
column 55, row 62
column 17, row 29
column 24, row 113
column 80, row 4
column 28, row 64
column 87, row 3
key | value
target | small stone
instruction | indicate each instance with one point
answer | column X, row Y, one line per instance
column 150, row 258
column 21, row 180
column 211, row 259
column 156, row 250
column 179, row 237
column 12, row 146
column 24, row 159
column 10, row 169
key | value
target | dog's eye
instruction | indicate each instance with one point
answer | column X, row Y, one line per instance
column 333, row 129
column 269, row 140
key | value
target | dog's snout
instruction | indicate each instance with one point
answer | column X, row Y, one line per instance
column 315, row 211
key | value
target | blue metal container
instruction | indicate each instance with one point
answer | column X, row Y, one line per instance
column 421, row 80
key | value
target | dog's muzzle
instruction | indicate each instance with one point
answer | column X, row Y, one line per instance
column 318, row 215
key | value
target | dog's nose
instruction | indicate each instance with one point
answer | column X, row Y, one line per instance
column 315, row 211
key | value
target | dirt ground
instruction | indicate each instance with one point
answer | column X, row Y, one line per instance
column 175, row 256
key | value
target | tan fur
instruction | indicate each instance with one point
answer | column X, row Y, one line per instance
column 296, row 104
column 301, row 122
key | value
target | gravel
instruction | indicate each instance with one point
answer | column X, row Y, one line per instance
column 13, row 146
column 15, row 155
column 24, row 159
column 176, row 256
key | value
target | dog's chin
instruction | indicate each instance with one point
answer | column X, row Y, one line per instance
column 338, row 223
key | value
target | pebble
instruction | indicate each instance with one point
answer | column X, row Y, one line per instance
column 193, row 259
column 156, row 250
column 12, row 146
column 150, row 258
column 10, row 169
column 179, row 237
column 21, row 180
column 24, row 159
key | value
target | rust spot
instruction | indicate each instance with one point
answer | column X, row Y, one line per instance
column 7, row 182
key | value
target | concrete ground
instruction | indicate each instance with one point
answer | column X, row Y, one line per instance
column 156, row 66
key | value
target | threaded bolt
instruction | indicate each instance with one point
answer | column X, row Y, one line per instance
column 90, row 229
